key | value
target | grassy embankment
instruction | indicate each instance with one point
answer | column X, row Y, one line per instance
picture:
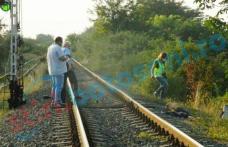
column 206, row 119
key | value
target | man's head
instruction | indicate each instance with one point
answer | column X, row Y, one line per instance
column 163, row 56
column 66, row 44
column 59, row 40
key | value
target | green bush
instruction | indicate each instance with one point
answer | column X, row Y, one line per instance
column 177, row 87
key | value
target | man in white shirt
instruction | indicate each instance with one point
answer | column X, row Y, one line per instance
column 56, row 67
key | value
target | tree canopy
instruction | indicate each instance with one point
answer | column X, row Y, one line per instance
column 209, row 4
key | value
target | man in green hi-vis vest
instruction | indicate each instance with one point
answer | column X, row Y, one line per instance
column 158, row 72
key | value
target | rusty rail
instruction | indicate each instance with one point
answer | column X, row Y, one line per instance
column 79, row 124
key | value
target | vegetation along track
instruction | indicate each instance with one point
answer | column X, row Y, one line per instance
column 112, row 118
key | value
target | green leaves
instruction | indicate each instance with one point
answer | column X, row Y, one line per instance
column 215, row 25
column 209, row 4
column 117, row 15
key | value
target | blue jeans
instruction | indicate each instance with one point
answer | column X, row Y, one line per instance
column 57, row 86
column 163, row 88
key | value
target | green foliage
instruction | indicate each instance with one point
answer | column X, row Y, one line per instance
column 148, row 136
column 146, row 87
column 206, row 79
column 216, row 26
column 209, row 4
column 220, row 73
column 111, row 48
column 130, row 33
column 177, row 87
column 44, row 40
column 144, row 10
column 5, row 49
column 30, row 49
column 208, row 119
column 172, row 26
column 113, row 14
column 36, row 46
column 164, row 26
column 116, row 15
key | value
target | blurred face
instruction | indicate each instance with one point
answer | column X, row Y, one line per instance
column 66, row 45
column 60, row 43
column 164, row 59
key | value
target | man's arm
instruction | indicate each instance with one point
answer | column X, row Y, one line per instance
column 152, row 71
column 63, row 58
column 60, row 54
column 69, row 56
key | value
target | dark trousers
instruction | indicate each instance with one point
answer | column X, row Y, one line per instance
column 163, row 87
column 74, row 82
column 63, row 93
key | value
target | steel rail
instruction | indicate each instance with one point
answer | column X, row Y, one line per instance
column 28, row 71
column 172, row 130
column 25, row 74
column 31, row 60
column 79, row 124
column 1, row 77
column 24, row 64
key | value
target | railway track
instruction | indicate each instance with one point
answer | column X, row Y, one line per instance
column 115, row 119
column 30, row 65
column 38, row 124
column 180, row 123
column 62, row 127
column 110, row 122
column 105, row 116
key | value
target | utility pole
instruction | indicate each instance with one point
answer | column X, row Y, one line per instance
column 16, row 82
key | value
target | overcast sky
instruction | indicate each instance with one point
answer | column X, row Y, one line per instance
column 59, row 17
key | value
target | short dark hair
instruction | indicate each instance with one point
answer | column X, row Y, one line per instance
column 58, row 39
column 162, row 55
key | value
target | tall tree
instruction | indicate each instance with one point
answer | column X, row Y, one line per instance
column 4, row 49
column 44, row 39
column 216, row 24
column 209, row 4
column 115, row 15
